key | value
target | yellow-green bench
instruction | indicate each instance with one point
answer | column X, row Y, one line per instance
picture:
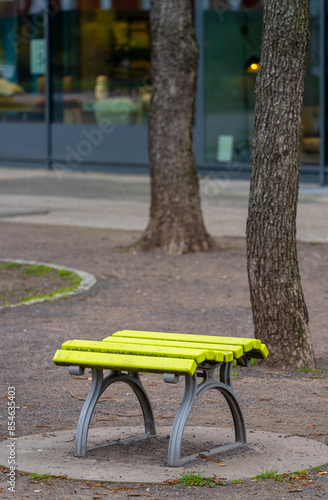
column 196, row 357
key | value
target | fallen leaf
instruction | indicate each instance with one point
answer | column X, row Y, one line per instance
column 202, row 455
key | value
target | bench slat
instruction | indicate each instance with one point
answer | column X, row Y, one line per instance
column 199, row 355
column 125, row 362
column 247, row 344
column 230, row 351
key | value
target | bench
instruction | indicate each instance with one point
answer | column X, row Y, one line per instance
column 196, row 357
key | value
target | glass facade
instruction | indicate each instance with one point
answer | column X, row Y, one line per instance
column 311, row 116
column 22, row 61
column 232, row 39
column 232, row 44
column 101, row 63
column 68, row 65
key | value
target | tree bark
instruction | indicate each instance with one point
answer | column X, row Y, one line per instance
column 176, row 222
column 279, row 311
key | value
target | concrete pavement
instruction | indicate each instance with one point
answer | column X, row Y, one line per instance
column 54, row 454
column 122, row 202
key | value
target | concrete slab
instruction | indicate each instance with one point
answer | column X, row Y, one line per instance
column 145, row 461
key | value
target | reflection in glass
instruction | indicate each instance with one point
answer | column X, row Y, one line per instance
column 101, row 63
column 310, row 145
column 22, row 61
column 232, row 50
column 232, row 30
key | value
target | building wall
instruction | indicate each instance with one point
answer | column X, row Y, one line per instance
column 75, row 76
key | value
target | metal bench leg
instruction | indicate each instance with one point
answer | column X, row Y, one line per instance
column 193, row 391
column 87, row 411
column 98, row 386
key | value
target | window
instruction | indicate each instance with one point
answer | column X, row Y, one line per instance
column 101, row 63
column 22, row 61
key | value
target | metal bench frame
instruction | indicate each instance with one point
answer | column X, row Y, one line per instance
column 196, row 385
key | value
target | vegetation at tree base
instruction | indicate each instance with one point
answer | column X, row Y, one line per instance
column 279, row 311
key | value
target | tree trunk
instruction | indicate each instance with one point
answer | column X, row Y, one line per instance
column 279, row 311
column 176, row 222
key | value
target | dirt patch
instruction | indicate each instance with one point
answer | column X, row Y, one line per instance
column 23, row 282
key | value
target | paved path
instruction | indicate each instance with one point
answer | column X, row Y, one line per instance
column 122, row 202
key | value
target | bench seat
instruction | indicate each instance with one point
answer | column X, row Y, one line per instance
column 196, row 357
column 252, row 346
column 154, row 364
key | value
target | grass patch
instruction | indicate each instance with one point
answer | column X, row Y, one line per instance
column 36, row 477
column 308, row 370
column 34, row 281
column 35, row 269
column 9, row 265
column 192, row 479
column 270, row 474
column 298, row 473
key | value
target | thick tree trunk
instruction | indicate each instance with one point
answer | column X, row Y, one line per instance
column 279, row 310
column 176, row 222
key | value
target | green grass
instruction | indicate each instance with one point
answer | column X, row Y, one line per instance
column 9, row 265
column 35, row 269
column 47, row 295
column 38, row 269
column 192, row 479
column 69, row 275
column 270, row 474
column 39, row 477
column 298, row 473
column 308, row 370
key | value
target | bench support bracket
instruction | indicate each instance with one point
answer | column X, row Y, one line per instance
column 98, row 386
column 193, row 391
